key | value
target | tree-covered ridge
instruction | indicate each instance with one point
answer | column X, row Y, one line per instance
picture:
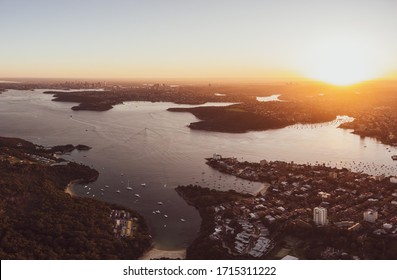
column 38, row 220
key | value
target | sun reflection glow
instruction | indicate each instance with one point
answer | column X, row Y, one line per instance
column 342, row 62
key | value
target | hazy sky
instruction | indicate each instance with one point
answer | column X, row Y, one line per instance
column 260, row 39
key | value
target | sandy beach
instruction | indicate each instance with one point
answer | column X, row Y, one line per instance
column 69, row 188
column 155, row 253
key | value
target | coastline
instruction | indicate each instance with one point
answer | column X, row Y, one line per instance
column 79, row 220
column 155, row 253
column 69, row 188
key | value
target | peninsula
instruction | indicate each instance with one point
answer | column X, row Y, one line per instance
column 40, row 221
column 255, row 116
column 105, row 100
column 358, row 211
column 371, row 104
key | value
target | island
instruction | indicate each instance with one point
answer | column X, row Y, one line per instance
column 40, row 220
column 69, row 148
column 307, row 211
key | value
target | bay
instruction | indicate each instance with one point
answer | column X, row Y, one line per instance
column 139, row 143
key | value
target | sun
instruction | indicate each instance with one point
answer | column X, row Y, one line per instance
column 342, row 62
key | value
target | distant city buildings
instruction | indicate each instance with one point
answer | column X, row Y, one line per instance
column 320, row 216
column 370, row 216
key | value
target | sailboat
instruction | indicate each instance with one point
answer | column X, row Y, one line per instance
column 129, row 188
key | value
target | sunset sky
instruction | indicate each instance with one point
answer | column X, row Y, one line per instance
column 340, row 42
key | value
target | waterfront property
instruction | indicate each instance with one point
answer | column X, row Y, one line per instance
column 124, row 223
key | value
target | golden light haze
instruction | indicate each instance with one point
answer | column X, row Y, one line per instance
column 338, row 42
column 344, row 60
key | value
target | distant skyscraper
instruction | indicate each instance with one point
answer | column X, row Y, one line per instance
column 320, row 216
column 370, row 216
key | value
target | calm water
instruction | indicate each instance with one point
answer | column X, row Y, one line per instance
column 140, row 142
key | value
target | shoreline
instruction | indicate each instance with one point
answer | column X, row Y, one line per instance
column 155, row 253
column 69, row 188
column 21, row 162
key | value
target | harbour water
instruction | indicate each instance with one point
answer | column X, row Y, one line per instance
column 142, row 143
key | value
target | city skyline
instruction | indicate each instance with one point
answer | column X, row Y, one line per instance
column 337, row 42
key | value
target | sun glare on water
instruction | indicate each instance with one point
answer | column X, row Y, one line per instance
column 342, row 63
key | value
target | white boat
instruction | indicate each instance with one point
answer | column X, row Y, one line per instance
column 159, row 203
column 106, row 186
column 118, row 191
column 158, row 212
column 137, row 195
column 85, row 187
column 88, row 192
column 102, row 190
column 165, row 216
column 143, row 184
column 128, row 187
column 183, row 220
column 165, row 185
column 93, row 195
